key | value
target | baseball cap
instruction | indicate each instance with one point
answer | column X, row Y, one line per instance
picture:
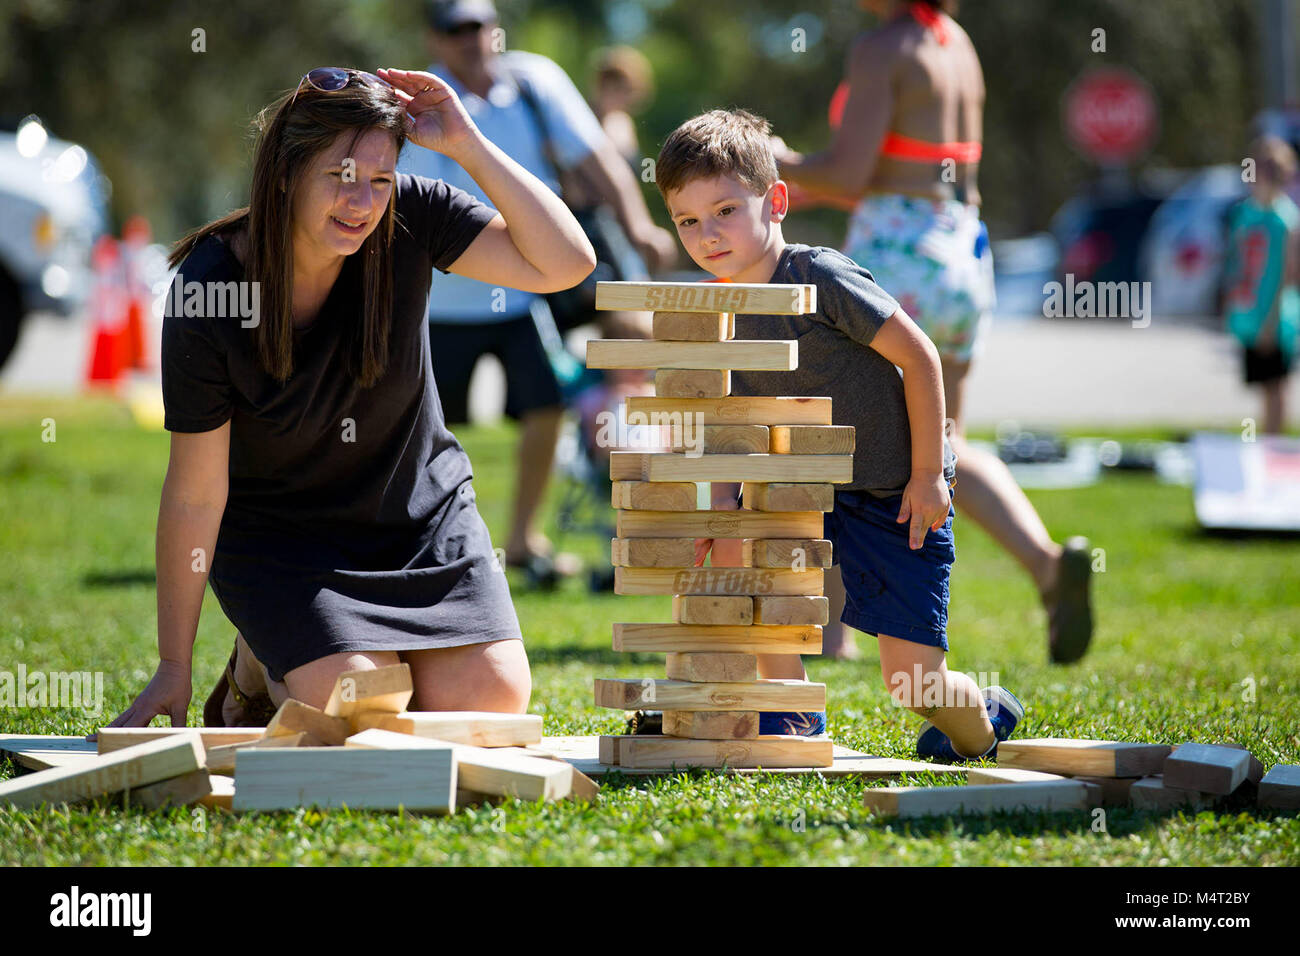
column 446, row 15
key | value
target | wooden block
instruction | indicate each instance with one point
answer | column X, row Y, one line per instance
column 995, row 775
column 723, row 440
column 758, row 355
column 652, row 552
column 108, row 773
column 472, row 727
column 738, row 410
column 812, row 440
column 905, row 802
column 1090, row 758
column 794, row 553
column 809, row 609
column 719, row 524
column 222, row 794
column 654, row 495
column 175, row 792
column 222, row 759
column 582, row 786
column 1256, row 771
column 785, row 496
column 1207, row 768
column 751, row 581
column 1151, row 793
column 1280, row 788
column 296, row 717
column 1114, row 791
column 384, row 688
column 693, row 383
column 43, row 751
column 111, row 739
column 672, row 466
column 715, row 638
column 422, row 779
column 711, row 725
column 773, row 751
column 706, row 667
column 631, row 694
column 748, row 298
column 692, row 326
column 711, row 610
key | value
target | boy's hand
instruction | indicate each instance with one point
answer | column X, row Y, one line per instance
column 925, row 504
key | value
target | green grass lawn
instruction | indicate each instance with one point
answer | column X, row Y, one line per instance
column 1187, row 624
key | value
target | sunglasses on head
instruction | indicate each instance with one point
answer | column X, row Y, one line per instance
column 331, row 79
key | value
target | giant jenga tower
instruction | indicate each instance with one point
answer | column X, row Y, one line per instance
column 789, row 456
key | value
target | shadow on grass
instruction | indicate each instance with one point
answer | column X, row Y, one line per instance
column 572, row 654
column 118, row 579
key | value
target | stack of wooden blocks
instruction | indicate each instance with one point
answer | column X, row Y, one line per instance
column 1079, row 774
column 363, row 751
column 788, row 455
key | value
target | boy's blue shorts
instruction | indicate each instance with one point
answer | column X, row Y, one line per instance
column 890, row 589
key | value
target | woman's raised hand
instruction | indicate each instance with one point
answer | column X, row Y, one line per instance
column 436, row 118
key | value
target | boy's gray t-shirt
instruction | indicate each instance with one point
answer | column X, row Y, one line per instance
column 836, row 360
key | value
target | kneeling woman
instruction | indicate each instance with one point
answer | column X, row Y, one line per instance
column 312, row 479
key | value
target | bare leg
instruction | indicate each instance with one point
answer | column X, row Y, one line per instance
column 312, row 683
column 1274, row 406
column 838, row 641
column 988, row 494
column 918, row 678
column 492, row 676
column 540, row 431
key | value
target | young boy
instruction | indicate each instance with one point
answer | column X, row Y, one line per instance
column 891, row 528
column 1263, row 305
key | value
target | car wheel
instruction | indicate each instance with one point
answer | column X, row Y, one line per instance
column 11, row 316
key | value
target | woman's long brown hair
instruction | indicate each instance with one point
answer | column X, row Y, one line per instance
column 288, row 140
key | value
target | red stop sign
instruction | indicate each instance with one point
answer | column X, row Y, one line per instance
column 1110, row 115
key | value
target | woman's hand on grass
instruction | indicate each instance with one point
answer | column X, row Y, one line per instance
column 168, row 693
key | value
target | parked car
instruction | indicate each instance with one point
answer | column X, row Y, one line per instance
column 53, row 206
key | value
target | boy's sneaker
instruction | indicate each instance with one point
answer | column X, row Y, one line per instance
column 1005, row 711
column 789, row 723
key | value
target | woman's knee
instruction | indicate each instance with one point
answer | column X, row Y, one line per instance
column 313, row 682
column 492, row 677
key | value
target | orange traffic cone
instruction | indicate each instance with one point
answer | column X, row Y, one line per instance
column 110, row 349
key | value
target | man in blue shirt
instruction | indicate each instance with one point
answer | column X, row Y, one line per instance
column 469, row 318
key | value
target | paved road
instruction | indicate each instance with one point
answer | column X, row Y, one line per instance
column 1037, row 372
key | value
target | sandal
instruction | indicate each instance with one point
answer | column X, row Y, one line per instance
column 258, row 709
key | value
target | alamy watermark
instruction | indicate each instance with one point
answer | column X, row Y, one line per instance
column 217, row 300
column 1098, row 300
column 930, row 691
column 640, row 430
column 79, row 690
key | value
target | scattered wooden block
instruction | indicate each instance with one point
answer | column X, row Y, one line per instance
column 995, row 775
column 732, row 581
column 44, row 751
column 758, row 355
column 718, row 638
column 1091, row 758
column 786, row 609
column 222, row 759
column 1256, row 771
column 718, row 524
column 384, row 688
column 693, row 326
column 176, row 792
column 749, row 298
column 1280, row 788
column 784, row 496
column 108, row 773
column 709, row 609
column 723, row 440
column 905, row 802
column 111, row 739
column 738, row 410
column 1206, row 768
column 671, row 466
column 812, row 440
column 652, row 552
column 654, row 495
column 693, row 383
column 711, row 725
column 631, row 694
column 222, row 795
column 296, row 717
column 796, row 553
column 704, row 667
column 772, row 751
column 1114, row 791
column 472, row 727
column 422, row 779
column 1151, row 793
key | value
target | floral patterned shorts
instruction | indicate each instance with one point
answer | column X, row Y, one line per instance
column 933, row 257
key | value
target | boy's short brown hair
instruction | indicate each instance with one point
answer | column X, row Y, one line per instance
column 718, row 143
column 1275, row 159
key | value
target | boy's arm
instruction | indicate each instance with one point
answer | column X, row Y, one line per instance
column 724, row 496
column 926, row 499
